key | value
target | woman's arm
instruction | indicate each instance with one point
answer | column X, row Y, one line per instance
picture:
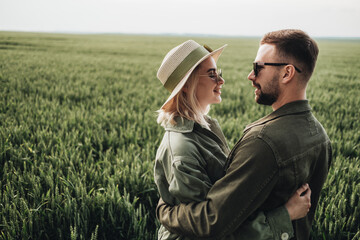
column 190, row 181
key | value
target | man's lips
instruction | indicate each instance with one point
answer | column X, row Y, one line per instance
column 256, row 85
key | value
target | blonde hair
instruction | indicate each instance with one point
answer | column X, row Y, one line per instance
column 184, row 105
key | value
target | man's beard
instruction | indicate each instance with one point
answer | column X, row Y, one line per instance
column 271, row 95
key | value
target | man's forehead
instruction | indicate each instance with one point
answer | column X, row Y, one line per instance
column 266, row 51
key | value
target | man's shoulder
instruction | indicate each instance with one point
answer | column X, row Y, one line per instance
column 287, row 126
column 275, row 128
column 291, row 136
column 294, row 130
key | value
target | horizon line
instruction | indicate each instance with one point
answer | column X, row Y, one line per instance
column 167, row 34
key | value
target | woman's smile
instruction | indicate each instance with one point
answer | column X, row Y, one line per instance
column 217, row 90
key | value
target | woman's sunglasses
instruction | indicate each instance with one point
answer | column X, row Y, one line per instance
column 215, row 76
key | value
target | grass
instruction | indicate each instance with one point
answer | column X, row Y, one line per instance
column 78, row 132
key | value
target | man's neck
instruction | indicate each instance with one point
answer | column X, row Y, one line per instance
column 285, row 100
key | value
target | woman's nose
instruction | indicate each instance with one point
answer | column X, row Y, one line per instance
column 220, row 80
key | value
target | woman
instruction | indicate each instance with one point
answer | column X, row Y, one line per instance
column 192, row 154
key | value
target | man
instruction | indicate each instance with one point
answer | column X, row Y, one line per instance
column 276, row 154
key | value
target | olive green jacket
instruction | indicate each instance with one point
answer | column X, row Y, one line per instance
column 189, row 160
column 274, row 157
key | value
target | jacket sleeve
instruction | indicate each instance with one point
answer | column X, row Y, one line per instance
column 190, row 181
column 248, row 182
column 273, row 225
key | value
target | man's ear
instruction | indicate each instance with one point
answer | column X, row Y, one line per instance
column 288, row 74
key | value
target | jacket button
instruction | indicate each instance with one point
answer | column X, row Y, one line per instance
column 284, row 236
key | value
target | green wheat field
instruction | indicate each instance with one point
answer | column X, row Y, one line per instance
column 78, row 131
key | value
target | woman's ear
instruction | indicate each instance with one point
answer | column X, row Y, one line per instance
column 185, row 88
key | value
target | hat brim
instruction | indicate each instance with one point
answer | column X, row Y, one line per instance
column 215, row 54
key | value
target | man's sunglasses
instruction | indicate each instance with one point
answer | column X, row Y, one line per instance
column 257, row 64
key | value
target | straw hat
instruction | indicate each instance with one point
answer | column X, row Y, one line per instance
column 180, row 62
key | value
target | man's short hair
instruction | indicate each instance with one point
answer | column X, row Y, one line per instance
column 295, row 45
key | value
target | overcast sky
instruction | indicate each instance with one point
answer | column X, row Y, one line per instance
column 319, row 18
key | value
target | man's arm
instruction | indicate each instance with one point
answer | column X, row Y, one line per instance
column 272, row 225
column 248, row 182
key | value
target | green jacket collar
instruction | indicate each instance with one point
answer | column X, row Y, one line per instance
column 287, row 109
column 183, row 125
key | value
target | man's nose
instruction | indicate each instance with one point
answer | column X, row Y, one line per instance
column 251, row 75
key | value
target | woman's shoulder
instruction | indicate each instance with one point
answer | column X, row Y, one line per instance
column 181, row 143
column 178, row 138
